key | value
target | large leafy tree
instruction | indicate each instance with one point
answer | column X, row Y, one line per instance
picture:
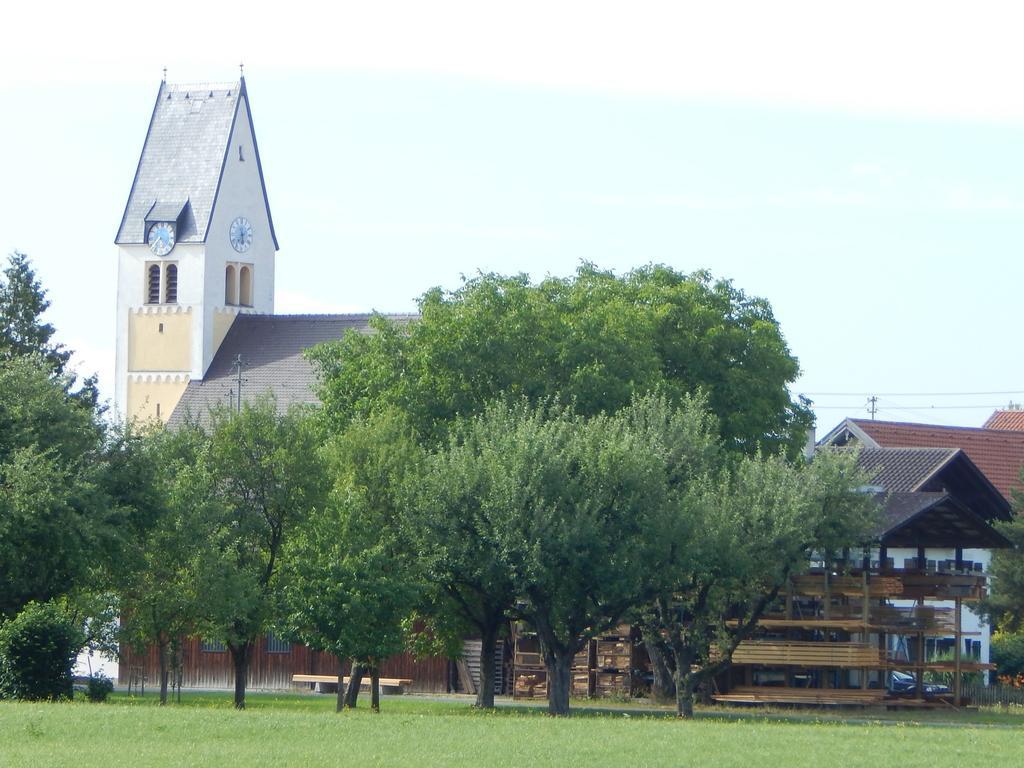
column 719, row 582
column 349, row 586
column 263, row 476
column 592, row 340
column 157, row 583
column 454, row 521
column 56, row 519
column 573, row 509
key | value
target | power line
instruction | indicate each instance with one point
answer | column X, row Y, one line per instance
column 861, row 406
column 912, row 394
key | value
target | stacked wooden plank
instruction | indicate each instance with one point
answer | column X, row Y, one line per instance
column 471, row 661
column 847, row 586
column 529, row 675
column 582, row 672
column 754, row 694
column 778, row 653
column 614, row 662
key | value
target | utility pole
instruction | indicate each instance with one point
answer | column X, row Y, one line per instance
column 872, row 406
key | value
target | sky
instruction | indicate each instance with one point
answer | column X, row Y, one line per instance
column 858, row 165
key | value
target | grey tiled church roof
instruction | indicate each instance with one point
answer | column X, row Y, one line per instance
column 182, row 159
column 272, row 349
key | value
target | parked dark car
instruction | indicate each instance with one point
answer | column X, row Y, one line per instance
column 905, row 684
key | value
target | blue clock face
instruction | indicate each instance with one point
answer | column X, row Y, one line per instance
column 240, row 234
column 161, row 238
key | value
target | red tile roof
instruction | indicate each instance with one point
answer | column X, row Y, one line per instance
column 1006, row 420
column 999, row 453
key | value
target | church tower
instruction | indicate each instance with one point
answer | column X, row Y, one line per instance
column 196, row 245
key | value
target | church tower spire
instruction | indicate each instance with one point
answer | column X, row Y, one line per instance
column 196, row 244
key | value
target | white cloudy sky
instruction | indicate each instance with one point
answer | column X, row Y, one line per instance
column 857, row 164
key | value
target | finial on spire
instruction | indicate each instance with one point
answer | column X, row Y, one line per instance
column 165, row 74
column 241, row 69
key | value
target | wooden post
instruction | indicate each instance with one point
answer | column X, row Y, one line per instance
column 789, row 630
column 957, row 652
column 867, row 634
column 823, row 681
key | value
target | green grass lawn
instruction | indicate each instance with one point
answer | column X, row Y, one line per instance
column 302, row 730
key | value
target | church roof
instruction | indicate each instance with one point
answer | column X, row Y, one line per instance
column 182, row 160
column 271, row 348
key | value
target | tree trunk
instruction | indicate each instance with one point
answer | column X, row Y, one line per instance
column 684, row 697
column 375, row 688
column 355, row 679
column 485, row 691
column 164, row 671
column 340, row 703
column 240, row 657
column 686, row 679
column 559, row 666
column 663, row 688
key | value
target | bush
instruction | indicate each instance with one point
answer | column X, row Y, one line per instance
column 1008, row 653
column 37, row 653
column 98, row 687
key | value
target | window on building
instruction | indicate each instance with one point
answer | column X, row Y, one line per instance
column 212, row 646
column 277, row 645
column 153, row 284
column 230, row 285
column 245, row 286
column 171, row 284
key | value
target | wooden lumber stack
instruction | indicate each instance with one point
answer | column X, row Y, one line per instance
column 778, row 653
column 614, row 662
column 529, row 675
column 847, row 586
column 755, row 694
column 582, row 672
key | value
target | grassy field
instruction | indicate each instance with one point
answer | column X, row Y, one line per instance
column 286, row 730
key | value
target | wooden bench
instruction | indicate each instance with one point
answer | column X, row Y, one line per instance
column 755, row 694
column 329, row 683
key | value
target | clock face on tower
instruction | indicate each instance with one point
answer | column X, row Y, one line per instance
column 161, row 238
column 240, row 234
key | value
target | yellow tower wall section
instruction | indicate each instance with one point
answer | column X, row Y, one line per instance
column 160, row 341
column 154, row 398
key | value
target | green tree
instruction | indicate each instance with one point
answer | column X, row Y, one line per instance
column 719, row 582
column 263, row 476
column 1004, row 606
column 454, row 522
column 56, row 518
column 348, row 585
column 22, row 304
column 592, row 341
column 160, row 600
column 574, row 510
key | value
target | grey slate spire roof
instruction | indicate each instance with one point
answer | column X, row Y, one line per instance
column 183, row 158
column 271, row 347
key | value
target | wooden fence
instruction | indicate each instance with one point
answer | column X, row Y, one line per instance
column 994, row 695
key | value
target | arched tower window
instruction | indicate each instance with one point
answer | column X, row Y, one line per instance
column 153, row 285
column 171, row 284
column 230, row 286
column 245, row 286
